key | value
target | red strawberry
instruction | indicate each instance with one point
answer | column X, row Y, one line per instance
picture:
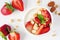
column 5, row 29
column 45, row 30
column 14, row 36
column 18, row 4
column 37, row 20
column 46, row 14
column 29, row 25
column 39, row 29
column 7, row 9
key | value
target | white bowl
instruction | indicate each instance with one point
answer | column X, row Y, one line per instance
column 29, row 16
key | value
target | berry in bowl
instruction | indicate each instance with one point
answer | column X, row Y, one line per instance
column 38, row 21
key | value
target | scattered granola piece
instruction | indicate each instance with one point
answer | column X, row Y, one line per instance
column 18, row 20
column 12, row 20
column 51, row 4
column 35, row 15
column 58, row 13
column 52, row 9
column 56, row 6
column 55, row 12
column 14, row 28
column 38, row 2
column 54, row 35
column 17, row 26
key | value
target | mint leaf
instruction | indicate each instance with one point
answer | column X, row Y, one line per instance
column 2, row 35
column 40, row 16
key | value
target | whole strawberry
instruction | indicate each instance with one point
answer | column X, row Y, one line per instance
column 7, row 9
column 5, row 29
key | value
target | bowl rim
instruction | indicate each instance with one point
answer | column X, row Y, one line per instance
column 30, row 11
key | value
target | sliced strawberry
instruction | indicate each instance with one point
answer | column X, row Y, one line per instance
column 7, row 9
column 5, row 29
column 45, row 30
column 14, row 36
column 37, row 20
column 46, row 14
column 29, row 26
column 39, row 29
column 48, row 22
column 18, row 4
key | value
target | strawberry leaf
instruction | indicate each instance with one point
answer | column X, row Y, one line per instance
column 2, row 35
column 9, row 6
column 40, row 16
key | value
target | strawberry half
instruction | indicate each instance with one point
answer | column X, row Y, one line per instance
column 46, row 14
column 37, row 20
column 5, row 29
column 29, row 26
column 14, row 36
column 43, row 29
column 18, row 4
column 7, row 9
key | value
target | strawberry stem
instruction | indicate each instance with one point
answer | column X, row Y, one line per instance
column 9, row 6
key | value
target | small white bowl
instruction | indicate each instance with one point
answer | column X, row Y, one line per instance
column 30, row 14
